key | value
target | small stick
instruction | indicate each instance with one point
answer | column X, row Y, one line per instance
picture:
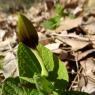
column 75, row 78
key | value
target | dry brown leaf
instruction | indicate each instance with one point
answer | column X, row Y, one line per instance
column 77, row 10
column 53, row 46
column 91, row 3
column 57, row 51
column 12, row 20
column 10, row 66
column 92, row 39
column 2, row 17
column 89, row 26
column 68, row 24
column 69, row 3
column 76, row 44
column 88, row 68
column 43, row 39
column 85, row 54
column 4, row 45
column 73, row 35
column 2, row 33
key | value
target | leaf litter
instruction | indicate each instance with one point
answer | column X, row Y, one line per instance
column 73, row 41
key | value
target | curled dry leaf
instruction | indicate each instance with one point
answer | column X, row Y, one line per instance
column 76, row 44
column 85, row 54
column 88, row 68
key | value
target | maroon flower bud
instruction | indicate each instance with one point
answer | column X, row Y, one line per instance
column 27, row 33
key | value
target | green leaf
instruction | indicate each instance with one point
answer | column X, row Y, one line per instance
column 30, row 80
column 27, row 62
column 36, row 92
column 12, row 86
column 27, row 32
column 57, row 70
column 43, row 84
column 59, row 9
column 52, row 23
column 44, row 72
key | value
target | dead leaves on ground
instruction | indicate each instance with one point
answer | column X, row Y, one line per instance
column 73, row 41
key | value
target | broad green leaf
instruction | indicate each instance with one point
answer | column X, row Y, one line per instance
column 56, row 68
column 27, row 32
column 52, row 23
column 36, row 92
column 55, row 93
column 27, row 62
column 12, row 86
column 30, row 80
column 44, row 72
column 43, row 84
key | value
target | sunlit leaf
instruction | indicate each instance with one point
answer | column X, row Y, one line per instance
column 27, row 62
column 57, row 70
column 12, row 86
column 52, row 23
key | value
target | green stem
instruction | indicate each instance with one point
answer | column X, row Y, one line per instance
column 44, row 72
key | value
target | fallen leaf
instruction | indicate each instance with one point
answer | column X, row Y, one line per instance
column 10, row 65
column 77, row 10
column 68, row 24
column 76, row 44
column 88, row 68
column 85, row 54
column 91, row 4
column 2, row 33
column 69, row 3
column 89, row 26
column 53, row 46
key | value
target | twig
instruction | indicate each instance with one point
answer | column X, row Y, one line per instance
column 75, row 78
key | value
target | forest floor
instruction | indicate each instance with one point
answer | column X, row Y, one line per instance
column 67, row 29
